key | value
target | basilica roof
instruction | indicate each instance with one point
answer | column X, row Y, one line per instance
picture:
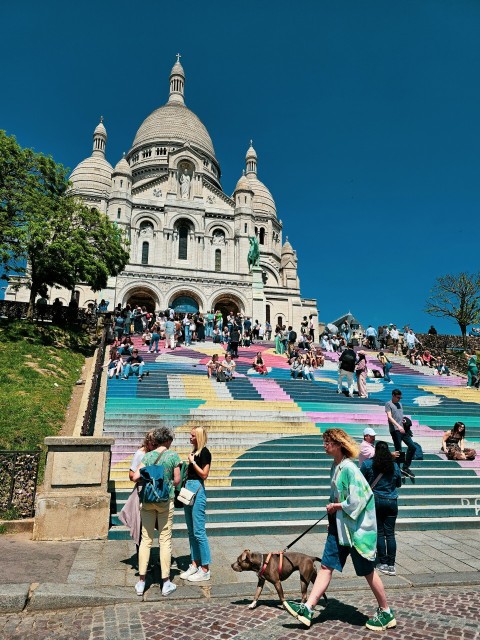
column 174, row 122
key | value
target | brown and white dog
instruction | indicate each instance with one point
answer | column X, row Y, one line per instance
column 274, row 573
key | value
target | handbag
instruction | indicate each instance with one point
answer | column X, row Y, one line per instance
column 187, row 497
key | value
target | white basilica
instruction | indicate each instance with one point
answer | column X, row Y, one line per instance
column 189, row 241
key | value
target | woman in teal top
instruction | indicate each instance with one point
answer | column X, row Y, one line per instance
column 160, row 512
column 472, row 373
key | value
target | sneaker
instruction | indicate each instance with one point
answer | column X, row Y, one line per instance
column 300, row 611
column 140, row 378
column 407, row 472
column 381, row 621
column 199, row 576
column 168, row 587
column 391, row 570
column 189, row 572
column 383, row 568
column 140, row 587
column 124, row 378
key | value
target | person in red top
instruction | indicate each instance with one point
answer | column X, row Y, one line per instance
column 259, row 365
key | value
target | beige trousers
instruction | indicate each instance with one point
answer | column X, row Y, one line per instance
column 162, row 513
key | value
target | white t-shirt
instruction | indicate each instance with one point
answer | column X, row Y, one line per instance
column 137, row 459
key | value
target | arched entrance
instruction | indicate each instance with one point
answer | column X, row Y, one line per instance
column 228, row 304
column 142, row 297
column 184, row 304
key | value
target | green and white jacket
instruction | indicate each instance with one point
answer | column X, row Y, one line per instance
column 356, row 521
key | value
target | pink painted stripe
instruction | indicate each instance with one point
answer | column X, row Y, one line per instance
column 270, row 390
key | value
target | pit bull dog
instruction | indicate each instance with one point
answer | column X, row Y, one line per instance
column 274, row 573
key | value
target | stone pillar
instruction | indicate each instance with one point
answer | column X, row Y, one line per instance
column 258, row 296
column 75, row 502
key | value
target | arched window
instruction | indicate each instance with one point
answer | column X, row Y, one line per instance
column 218, row 260
column 145, row 249
column 146, row 227
column 267, row 313
column 183, row 241
column 262, row 235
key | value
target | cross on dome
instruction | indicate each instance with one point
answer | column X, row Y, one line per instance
column 178, row 57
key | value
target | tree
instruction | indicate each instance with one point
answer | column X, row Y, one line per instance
column 16, row 165
column 456, row 297
column 62, row 241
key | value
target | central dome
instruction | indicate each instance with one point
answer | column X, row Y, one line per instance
column 174, row 122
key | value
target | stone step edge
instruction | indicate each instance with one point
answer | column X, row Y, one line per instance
column 273, row 524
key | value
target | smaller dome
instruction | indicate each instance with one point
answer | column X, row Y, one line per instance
column 262, row 201
column 287, row 248
column 177, row 70
column 123, row 167
column 251, row 153
column 100, row 129
column 92, row 175
column 243, row 184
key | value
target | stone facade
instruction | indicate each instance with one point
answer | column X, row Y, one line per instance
column 189, row 240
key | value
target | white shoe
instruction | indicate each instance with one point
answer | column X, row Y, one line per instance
column 140, row 587
column 189, row 572
column 168, row 587
column 199, row 576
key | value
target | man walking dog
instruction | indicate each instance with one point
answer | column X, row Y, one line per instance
column 352, row 530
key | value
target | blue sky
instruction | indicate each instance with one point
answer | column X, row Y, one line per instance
column 364, row 116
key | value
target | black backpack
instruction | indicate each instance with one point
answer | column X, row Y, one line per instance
column 292, row 336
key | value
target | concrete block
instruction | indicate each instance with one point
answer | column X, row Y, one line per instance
column 50, row 596
column 13, row 597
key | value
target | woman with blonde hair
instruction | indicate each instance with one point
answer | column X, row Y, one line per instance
column 199, row 461
column 352, row 530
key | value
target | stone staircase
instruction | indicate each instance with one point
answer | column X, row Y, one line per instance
column 269, row 470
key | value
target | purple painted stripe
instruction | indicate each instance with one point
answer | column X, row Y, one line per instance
column 270, row 390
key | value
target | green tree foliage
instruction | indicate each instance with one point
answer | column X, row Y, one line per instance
column 457, row 297
column 64, row 241
column 16, row 166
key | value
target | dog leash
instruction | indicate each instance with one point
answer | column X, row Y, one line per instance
column 304, row 533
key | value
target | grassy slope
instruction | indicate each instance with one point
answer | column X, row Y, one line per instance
column 38, row 368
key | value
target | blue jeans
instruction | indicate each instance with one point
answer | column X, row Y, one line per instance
column 195, row 519
column 154, row 343
column 136, row 368
column 209, row 330
column 188, row 335
column 386, row 371
column 386, row 510
column 397, row 438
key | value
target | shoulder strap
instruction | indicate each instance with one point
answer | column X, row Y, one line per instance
column 375, row 482
column 159, row 456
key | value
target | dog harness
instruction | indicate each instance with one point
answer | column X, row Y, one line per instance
column 264, row 565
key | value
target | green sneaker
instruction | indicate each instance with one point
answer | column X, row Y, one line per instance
column 299, row 610
column 381, row 621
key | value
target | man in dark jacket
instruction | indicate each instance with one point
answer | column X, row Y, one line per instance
column 346, row 366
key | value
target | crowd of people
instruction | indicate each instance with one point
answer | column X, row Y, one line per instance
column 363, row 505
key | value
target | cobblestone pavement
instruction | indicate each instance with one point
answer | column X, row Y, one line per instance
column 442, row 613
